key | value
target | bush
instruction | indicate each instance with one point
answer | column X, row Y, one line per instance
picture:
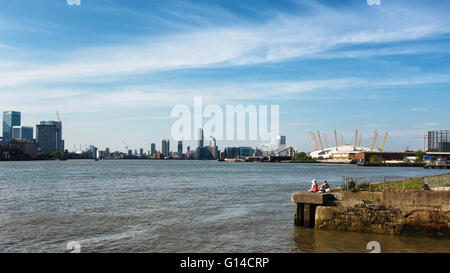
column 419, row 156
column 302, row 157
column 376, row 158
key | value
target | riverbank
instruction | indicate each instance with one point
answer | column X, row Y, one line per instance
column 385, row 210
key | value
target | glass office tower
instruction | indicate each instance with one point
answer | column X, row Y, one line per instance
column 10, row 119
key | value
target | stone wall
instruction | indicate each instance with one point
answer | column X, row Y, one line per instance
column 412, row 200
column 378, row 219
column 362, row 195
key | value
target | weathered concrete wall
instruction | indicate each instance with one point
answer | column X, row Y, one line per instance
column 412, row 200
column 377, row 219
column 362, row 195
column 360, row 218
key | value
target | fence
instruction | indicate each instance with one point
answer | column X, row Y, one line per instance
column 437, row 182
column 378, row 183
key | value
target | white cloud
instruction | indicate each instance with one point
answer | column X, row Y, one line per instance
column 280, row 39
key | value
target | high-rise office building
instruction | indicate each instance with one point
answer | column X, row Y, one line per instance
column 439, row 141
column 153, row 149
column 200, row 138
column 281, row 141
column 10, row 119
column 59, row 140
column 46, row 136
column 180, row 149
column 141, row 151
column 22, row 132
column 213, row 148
column 165, row 147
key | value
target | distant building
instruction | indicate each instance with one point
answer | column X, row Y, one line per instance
column 59, row 140
column 245, row 151
column 153, row 148
column 130, row 152
column 165, row 147
column 200, row 138
column 281, row 141
column 180, row 149
column 439, row 141
column 94, row 151
column 231, row 152
column 19, row 149
column 46, row 137
column 10, row 119
column 213, row 148
column 141, row 152
column 22, row 132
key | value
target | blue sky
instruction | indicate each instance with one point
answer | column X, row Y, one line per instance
column 114, row 69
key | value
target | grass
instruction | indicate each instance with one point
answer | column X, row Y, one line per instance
column 413, row 183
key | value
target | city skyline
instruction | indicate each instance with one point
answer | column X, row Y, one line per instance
column 330, row 66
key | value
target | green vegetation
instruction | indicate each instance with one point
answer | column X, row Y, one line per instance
column 303, row 157
column 419, row 156
column 57, row 155
column 376, row 158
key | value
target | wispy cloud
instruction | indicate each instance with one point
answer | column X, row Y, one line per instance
column 280, row 39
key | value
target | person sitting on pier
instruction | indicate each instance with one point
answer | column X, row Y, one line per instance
column 314, row 187
column 324, row 187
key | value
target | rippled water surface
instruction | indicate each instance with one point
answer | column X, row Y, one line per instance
column 176, row 206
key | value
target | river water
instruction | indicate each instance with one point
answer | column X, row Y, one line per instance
column 176, row 206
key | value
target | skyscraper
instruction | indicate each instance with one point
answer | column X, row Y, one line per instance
column 46, row 136
column 59, row 140
column 213, row 148
column 180, row 149
column 281, row 141
column 165, row 144
column 10, row 119
column 200, row 138
column 153, row 149
column 22, row 132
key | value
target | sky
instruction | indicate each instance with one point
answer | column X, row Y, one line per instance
column 115, row 69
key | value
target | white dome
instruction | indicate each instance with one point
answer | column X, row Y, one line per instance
column 328, row 152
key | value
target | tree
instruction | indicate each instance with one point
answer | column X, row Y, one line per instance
column 419, row 155
column 376, row 158
column 302, row 156
column 57, row 155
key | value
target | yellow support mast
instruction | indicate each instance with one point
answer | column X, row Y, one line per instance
column 335, row 140
column 356, row 139
column 374, row 140
column 313, row 139
column 326, row 141
column 384, row 142
column 320, row 139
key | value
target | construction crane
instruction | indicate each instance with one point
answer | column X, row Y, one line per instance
column 126, row 145
column 374, row 141
column 57, row 115
column 384, row 142
column 424, row 137
column 290, row 149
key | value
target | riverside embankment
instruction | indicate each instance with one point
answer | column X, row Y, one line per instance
column 395, row 212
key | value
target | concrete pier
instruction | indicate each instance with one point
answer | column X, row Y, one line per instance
column 306, row 206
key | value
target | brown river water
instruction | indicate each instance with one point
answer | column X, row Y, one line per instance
column 176, row 206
